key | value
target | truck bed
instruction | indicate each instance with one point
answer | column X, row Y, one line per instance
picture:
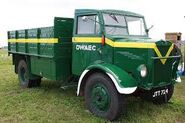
column 44, row 42
column 49, row 48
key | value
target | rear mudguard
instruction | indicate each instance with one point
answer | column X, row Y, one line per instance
column 124, row 82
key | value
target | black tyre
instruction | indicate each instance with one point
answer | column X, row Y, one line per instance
column 159, row 97
column 102, row 98
column 23, row 74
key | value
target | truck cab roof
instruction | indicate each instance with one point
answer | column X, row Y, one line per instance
column 122, row 12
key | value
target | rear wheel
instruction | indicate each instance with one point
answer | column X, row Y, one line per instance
column 102, row 98
column 23, row 75
column 159, row 95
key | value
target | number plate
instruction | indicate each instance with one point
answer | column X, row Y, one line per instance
column 160, row 92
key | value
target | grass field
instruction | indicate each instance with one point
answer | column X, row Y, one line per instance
column 49, row 103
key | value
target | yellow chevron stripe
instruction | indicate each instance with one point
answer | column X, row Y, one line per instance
column 113, row 44
column 35, row 40
column 167, row 54
column 125, row 45
column 130, row 44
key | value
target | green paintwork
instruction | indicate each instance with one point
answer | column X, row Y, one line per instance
column 100, row 97
column 125, row 62
column 50, row 60
column 158, row 74
column 84, row 11
column 58, row 61
column 82, row 59
column 122, row 77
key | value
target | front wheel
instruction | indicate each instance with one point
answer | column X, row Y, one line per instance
column 102, row 98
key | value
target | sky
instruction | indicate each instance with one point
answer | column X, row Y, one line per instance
column 165, row 15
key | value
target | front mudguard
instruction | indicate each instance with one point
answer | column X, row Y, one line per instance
column 124, row 82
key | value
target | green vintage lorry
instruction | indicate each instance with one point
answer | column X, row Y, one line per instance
column 106, row 53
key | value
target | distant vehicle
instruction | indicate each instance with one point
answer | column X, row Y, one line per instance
column 107, row 53
column 5, row 47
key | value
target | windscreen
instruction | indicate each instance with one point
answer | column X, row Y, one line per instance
column 135, row 26
column 123, row 25
column 115, row 24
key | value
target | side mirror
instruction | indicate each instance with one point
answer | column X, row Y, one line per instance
column 147, row 30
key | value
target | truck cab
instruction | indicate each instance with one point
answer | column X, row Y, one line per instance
column 116, row 44
column 120, row 39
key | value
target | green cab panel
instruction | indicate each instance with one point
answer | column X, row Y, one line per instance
column 123, row 79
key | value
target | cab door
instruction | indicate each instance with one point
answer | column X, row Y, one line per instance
column 86, row 42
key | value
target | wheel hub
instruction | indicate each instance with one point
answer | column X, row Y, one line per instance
column 100, row 97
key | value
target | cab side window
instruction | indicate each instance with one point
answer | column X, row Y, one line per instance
column 88, row 25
